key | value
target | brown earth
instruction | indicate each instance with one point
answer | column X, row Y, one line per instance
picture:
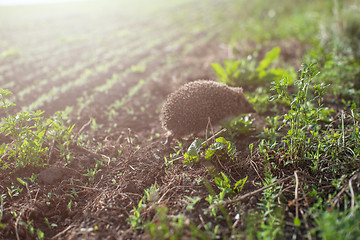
column 59, row 46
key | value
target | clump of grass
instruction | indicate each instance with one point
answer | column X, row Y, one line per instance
column 306, row 110
column 33, row 137
column 312, row 139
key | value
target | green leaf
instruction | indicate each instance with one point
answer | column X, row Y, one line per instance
column 209, row 153
column 297, row 221
column 219, row 70
column 281, row 74
column 40, row 234
column 270, row 56
column 240, row 184
column 195, row 147
column 22, row 181
column 222, row 140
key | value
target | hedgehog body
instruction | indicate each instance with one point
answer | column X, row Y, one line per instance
column 189, row 109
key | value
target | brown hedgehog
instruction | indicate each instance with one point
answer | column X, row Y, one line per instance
column 189, row 109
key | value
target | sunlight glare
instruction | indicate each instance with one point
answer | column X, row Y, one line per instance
column 34, row 2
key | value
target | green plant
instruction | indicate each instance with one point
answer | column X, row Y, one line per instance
column 92, row 172
column 50, row 225
column 192, row 154
column 14, row 191
column 217, row 201
column 69, row 205
column 152, row 193
column 134, row 217
column 59, row 133
column 246, row 72
column 303, row 116
column 191, row 202
column 240, row 125
column 211, row 232
column 272, row 223
column 335, row 224
column 139, row 68
column 259, row 99
column 221, row 148
column 271, row 130
column 31, row 135
column 166, row 226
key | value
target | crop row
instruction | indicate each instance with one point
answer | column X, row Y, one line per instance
column 42, row 83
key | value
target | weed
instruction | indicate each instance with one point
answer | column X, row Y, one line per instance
column 92, row 172
column 222, row 148
column 192, row 154
column 166, row 226
column 152, row 194
column 50, row 225
column 272, row 224
column 246, row 72
column 30, row 134
column 238, row 126
column 303, row 116
column 259, row 99
column 210, row 232
column 134, row 218
column 336, row 225
column 14, row 191
column 69, row 205
column 191, row 202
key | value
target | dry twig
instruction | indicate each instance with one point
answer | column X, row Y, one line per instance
column 296, row 195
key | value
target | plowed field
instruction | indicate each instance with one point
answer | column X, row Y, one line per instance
column 110, row 66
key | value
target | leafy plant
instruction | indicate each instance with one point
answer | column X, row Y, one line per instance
column 272, row 224
column 92, row 172
column 31, row 135
column 339, row 225
column 134, row 218
column 152, row 193
column 14, row 191
column 259, row 99
column 246, row 72
column 303, row 117
column 238, row 126
column 221, row 148
column 166, row 226
column 191, row 202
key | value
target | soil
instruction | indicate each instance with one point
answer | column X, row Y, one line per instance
column 127, row 148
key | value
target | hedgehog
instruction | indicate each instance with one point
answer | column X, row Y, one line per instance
column 189, row 109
